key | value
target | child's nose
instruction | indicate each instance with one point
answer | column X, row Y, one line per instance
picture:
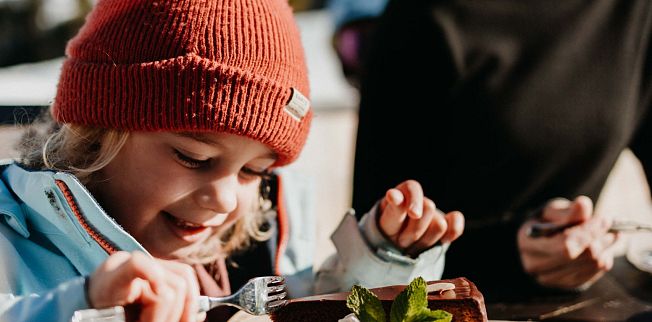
column 219, row 195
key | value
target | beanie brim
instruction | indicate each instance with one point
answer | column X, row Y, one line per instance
column 186, row 93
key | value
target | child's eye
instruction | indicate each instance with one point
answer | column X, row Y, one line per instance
column 249, row 173
column 188, row 161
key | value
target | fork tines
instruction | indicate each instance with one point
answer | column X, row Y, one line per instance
column 276, row 293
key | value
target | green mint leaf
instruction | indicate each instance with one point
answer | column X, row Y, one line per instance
column 365, row 305
column 411, row 302
column 411, row 305
column 427, row 315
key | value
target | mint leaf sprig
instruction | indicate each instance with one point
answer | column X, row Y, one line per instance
column 411, row 305
column 365, row 305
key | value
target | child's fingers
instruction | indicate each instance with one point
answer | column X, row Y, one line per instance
column 148, row 285
column 191, row 286
column 160, row 306
column 168, row 298
column 164, row 291
column 115, row 260
column 145, row 267
column 105, row 276
column 413, row 193
column 175, row 300
column 118, row 274
column 455, row 221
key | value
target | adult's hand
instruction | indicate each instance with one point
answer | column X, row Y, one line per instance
column 166, row 291
column 413, row 223
column 574, row 258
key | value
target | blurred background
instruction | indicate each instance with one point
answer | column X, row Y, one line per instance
column 33, row 34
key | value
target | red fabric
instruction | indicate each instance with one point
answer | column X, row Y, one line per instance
column 283, row 228
column 194, row 65
column 214, row 281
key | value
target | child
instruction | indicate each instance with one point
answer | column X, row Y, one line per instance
column 170, row 116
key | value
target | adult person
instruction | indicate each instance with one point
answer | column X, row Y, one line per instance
column 513, row 112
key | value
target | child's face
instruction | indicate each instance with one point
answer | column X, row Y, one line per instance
column 172, row 191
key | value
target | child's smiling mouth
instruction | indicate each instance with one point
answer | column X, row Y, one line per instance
column 185, row 230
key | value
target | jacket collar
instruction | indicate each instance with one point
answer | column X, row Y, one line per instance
column 58, row 206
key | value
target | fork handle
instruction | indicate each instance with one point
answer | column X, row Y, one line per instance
column 207, row 303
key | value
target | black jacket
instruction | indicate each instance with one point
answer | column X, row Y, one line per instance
column 496, row 107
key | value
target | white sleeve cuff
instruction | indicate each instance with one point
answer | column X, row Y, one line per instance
column 371, row 261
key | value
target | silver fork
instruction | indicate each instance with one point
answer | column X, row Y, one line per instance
column 260, row 295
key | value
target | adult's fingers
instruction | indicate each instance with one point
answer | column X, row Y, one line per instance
column 584, row 270
column 578, row 238
column 455, row 221
column 567, row 244
column 393, row 213
column 405, row 200
column 564, row 212
column 436, row 229
column 413, row 193
column 438, row 232
column 431, row 226
column 598, row 255
column 392, row 197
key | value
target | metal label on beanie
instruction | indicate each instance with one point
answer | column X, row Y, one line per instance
column 298, row 106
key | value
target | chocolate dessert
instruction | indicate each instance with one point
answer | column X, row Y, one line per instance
column 464, row 302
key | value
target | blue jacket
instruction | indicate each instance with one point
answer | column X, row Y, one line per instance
column 46, row 248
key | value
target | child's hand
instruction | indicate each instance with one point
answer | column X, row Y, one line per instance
column 165, row 290
column 413, row 223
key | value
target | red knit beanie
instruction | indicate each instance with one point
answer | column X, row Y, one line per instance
column 190, row 65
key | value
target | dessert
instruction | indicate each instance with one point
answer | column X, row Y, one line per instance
column 464, row 302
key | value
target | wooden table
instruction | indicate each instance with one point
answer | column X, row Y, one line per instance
column 623, row 294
